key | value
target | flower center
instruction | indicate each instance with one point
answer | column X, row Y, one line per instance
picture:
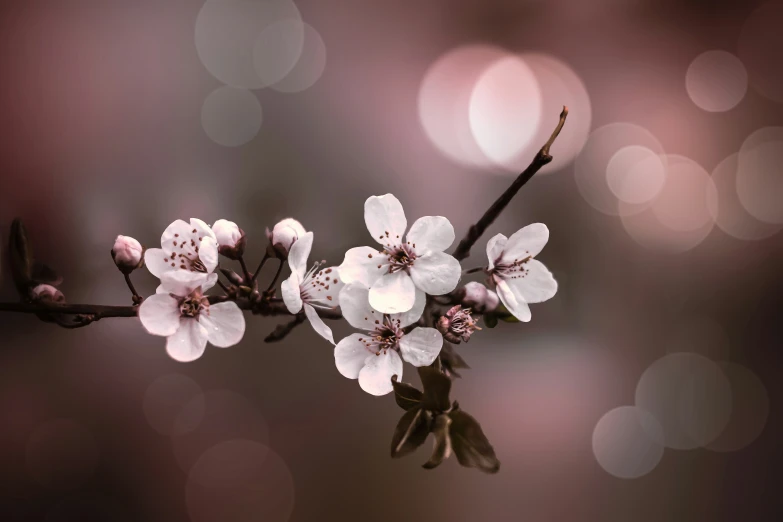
column 401, row 257
column 193, row 305
column 513, row 270
column 386, row 336
column 315, row 286
column 462, row 322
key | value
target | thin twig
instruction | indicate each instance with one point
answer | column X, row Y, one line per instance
column 222, row 285
column 248, row 277
column 541, row 158
column 282, row 330
column 274, row 280
column 137, row 299
column 260, row 266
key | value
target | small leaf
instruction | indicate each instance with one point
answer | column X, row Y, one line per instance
column 442, row 447
column 21, row 258
column 44, row 274
column 232, row 276
column 451, row 360
column 491, row 320
column 437, row 386
column 411, row 432
column 470, row 445
column 407, row 396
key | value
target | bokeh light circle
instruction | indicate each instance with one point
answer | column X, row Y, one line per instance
column 628, row 442
column 505, row 109
column 590, row 167
column 444, row 101
column 309, row 67
column 559, row 85
column 211, row 418
column 636, row 174
column 165, row 398
column 61, row 454
column 731, row 217
column 750, row 409
column 716, row 81
column 688, row 199
column 240, row 481
column 690, row 397
column 230, row 116
column 249, row 43
column 760, row 48
column 759, row 179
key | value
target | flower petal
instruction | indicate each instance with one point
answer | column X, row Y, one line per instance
column 363, row 264
column 350, row 354
column 182, row 282
column 422, row 346
column 535, row 285
column 431, row 233
column 300, row 251
column 393, row 293
column 517, row 307
column 159, row 314
column 318, row 324
column 210, row 281
column 526, row 242
column 208, row 253
column 292, row 295
column 156, row 261
column 224, row 324
column 326, row 292
column 495, row 248
column 412, row 315
column 385, row 219
column 178, row 229
column 375, row 377
column 202, row 229
column 436, row 273
column 355, row 306
column 189, row 342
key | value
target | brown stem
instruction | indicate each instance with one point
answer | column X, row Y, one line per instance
column 245, row 273
column 136, row 297
column 541, row 158
column 260, row 266
column 274, row 280
column 282, row 330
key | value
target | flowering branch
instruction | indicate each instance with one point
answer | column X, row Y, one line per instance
column 541, row 159
column 402, row 296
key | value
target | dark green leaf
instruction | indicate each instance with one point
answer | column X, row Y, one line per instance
column 451, row 360
column 442, row 448
column 411, row 432
column 491, row 320
column 21, row 258
column 470, row 445
column 437, row 386
column 407, row 396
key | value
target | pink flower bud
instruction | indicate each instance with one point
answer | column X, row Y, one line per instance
column 127, row 254
column 479, row 298
column 283, row 236
column 230, row 238
column 47, row 293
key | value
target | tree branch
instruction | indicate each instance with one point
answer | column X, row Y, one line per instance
column 541, row 158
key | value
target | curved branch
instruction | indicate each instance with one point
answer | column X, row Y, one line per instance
column 541, row 158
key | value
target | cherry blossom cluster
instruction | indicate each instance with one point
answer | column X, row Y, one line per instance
column 382, row 291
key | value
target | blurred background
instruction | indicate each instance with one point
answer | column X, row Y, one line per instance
column 648, row 389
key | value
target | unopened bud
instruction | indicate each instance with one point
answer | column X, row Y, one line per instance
column 479, row 298
column 127, row 253
column 457, row 325
column 47, row 294
column 230, row 238
column 283, row 235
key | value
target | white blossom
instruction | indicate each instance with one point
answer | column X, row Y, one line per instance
column 227, row 233
column 405, row 263
column 519, row 278
column 127, row 253
column 479, row 298
column 189, row 321
column 317, row 288
column 284, row 234
column 47, row 293
column 374, row 356
column 186, row 259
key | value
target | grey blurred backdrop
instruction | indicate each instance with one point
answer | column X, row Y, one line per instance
column 106, row 131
